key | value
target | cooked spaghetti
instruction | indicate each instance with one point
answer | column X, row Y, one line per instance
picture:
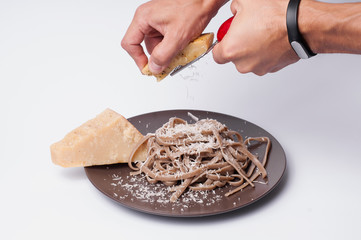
column 200, row 156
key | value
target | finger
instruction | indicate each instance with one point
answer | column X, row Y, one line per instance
column 152, row 42
column 228, row 50
column 260, row 72
column 131, row 42
column 235, row 6
column 165, row 51
column 243, row 66
column 219, row 54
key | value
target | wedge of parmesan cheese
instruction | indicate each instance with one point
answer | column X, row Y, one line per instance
column 193, row 50
column 107, row 139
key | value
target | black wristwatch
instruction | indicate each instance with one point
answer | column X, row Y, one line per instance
column 295, row 38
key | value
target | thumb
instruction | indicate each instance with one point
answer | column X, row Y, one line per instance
column 164, row 52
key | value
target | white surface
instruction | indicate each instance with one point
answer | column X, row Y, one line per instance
column 61, row 64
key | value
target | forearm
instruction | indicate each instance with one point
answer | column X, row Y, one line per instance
column 216, row 4
column 212, row 6
column 330, row 27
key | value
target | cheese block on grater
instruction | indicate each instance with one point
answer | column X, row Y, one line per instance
column 193, row 50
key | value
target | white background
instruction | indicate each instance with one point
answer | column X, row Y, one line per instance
column 61, row 64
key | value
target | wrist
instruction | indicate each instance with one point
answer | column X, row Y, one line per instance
column 325, row 26
column 311, row 25
column 295, row 38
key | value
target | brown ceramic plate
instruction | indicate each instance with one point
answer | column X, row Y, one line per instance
column 136, row 193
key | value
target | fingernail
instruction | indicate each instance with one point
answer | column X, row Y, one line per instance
column 154, row 68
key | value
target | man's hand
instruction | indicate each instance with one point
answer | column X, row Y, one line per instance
column 166, row 27
column 257, row 39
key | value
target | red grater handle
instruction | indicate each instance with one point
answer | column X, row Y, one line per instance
column 223, row 29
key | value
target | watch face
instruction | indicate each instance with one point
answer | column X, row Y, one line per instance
column 299, row 49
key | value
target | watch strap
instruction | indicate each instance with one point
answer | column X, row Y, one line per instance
column 295, row 38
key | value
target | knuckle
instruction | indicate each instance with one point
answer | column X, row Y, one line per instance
column 260, row 72
column 124, row 43
column 127, row 46
column 141, row 9
column 234, row 6
column 244, row 68
column 252, row 66
column 224, row 54
column 228, row 53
